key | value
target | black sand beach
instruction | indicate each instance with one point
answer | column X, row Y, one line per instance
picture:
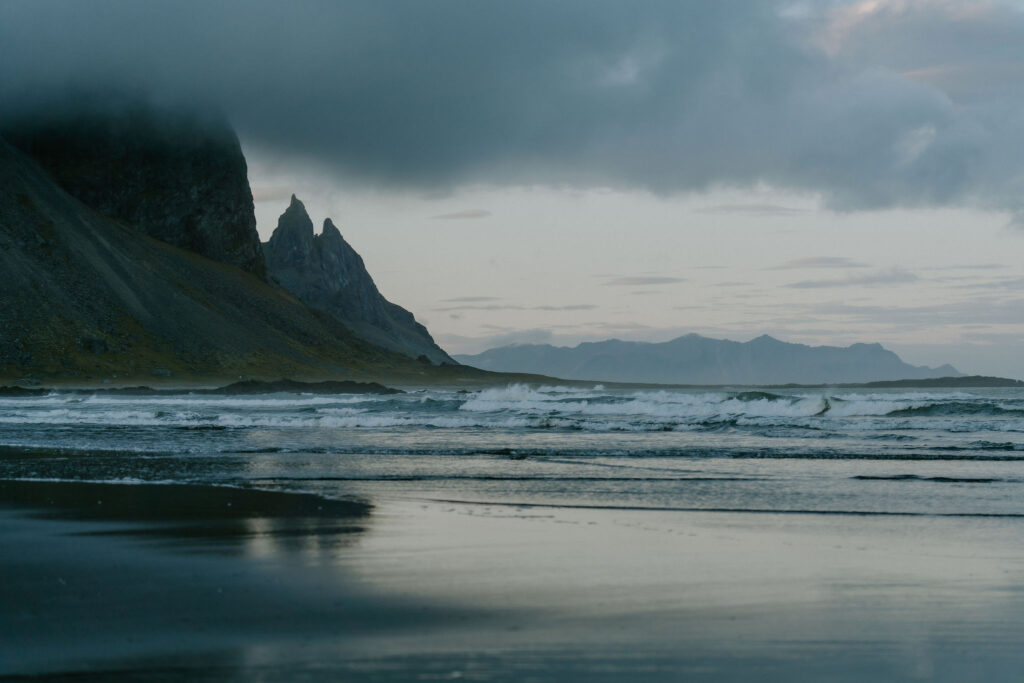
column 168, row 581
column 190, row 582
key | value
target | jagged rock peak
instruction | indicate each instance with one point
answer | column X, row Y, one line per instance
column 292, row 241
column 325, row 272
column 295, row 217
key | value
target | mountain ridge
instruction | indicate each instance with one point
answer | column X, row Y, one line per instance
column 699, row 360
column 129, row 252
column 325, row 272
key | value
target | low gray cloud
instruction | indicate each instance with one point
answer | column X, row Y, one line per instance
column 970, row 266
column 481, row 307
column 1012, row 284
column 271, row 194
column 821, row 262
column 510, row 307
column 463, row 215
column 464, row 344
column 471, row 299
column 895, row 104
column 753, row 209
column 569, row 307
column 985, row 311
column 642, row 280
column 890, row 276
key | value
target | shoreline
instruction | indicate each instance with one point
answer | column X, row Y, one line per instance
column 383, row 385
column 174, row 582
column 183, row 580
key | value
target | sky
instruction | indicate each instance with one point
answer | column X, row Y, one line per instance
column 558, row 171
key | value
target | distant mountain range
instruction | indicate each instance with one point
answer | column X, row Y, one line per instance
column 693, row 359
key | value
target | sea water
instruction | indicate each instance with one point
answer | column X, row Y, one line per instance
column 835, row 451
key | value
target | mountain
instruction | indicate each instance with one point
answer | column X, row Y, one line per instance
column 693, row 359
column 128, row 250
column 326, row 273
column 85, row 297
column 176, row 176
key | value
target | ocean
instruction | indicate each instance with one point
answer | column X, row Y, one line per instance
column 838, row 451
column 848, row 532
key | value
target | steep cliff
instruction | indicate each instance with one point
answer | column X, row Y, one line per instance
column 84, row 297
column 174, row 176
column 325, row 272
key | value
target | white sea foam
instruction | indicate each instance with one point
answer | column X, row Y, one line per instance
column 283, row 402
column 519, row 406
column 867, row 407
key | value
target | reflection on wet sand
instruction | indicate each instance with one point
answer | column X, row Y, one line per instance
column 250, row 522
column 188, row 582
column 193, row 582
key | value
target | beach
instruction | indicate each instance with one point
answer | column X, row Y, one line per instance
column 484, row 592
column 286, row 549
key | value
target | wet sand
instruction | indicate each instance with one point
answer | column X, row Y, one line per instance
column 169, row 580
column 188, row 582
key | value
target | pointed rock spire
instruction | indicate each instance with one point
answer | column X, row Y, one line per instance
column 330, row 229
column 326, row 272
column 292, row 241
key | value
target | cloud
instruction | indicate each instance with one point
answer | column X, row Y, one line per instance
column 908, row 104
column 643, row 281
column 510, row 307
column 889, row 276
column 569, row 307
column 970, row 266
column 481, row 307
column 463, row 215
column 985, row 311
column 471, row 299
column 1012, row 284
column 531, row 336
column 271, row 194
column 753, row 209
column 820, row 262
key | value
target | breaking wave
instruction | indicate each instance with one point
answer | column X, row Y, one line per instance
column 886, row 417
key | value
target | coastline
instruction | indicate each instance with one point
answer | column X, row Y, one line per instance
column 180, row 580
column 476, row 380
column 413, row 587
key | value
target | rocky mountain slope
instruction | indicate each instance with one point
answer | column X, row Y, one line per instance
column 84, row 297
column 693, row 359
column 179, row 177
column 326, row 273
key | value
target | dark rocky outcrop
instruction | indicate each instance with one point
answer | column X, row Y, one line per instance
column 325, row 272
column 248, row 387
column 84, row 297
column 693, row 359
column 177, row 177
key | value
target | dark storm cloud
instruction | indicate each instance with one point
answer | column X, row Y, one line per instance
column 665, row 95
